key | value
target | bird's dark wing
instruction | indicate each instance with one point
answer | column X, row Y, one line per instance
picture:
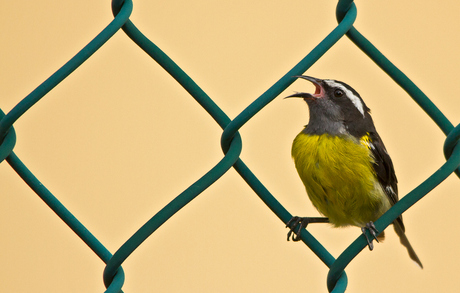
column 384, row 170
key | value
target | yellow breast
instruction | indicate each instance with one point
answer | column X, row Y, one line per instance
column 339, row 178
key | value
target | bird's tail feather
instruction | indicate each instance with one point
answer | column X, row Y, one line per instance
column 404, row 241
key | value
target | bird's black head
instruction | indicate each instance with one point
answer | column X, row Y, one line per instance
column 335, row 108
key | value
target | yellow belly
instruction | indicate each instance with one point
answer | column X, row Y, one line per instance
column 339, row 178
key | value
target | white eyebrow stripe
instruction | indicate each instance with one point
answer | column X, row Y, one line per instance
column 354, row 99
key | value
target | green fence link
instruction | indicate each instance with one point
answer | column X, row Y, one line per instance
column 7, row 135
column 230, row 142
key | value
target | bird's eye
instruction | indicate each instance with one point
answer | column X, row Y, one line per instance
column 338, row 93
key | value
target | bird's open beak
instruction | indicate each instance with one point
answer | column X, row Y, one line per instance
column 319, row 91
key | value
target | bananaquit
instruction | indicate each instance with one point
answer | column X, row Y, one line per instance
column 341, row 159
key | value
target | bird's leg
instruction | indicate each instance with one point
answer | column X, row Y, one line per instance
column 373, row 231
column 300, row 223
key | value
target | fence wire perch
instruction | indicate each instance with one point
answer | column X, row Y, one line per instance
column 230, row 142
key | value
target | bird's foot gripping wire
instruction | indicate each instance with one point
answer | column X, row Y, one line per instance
column 373, row 231
column 296, row 224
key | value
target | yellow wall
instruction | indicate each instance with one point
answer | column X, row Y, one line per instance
column 119, row 139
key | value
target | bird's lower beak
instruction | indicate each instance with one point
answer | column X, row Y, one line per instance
column 319, row 91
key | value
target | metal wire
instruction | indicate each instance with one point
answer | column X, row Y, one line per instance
column 230, row 142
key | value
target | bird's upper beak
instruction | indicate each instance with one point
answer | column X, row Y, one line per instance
column 319, row 91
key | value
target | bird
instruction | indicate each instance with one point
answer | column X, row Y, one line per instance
column 343, row 163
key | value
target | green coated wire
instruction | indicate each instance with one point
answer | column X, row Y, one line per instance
column 62, row 212
column 6, row 129
column 173, row 69
column 169, row 210
column 223, row 121
column 8, row 142
column 262, row 101
column 399, row 77
column 66, row 69
column 438, row 117
column 451, row 141
column 204, row 100
column 288, row 78
column 199, row 186
column 406, row 202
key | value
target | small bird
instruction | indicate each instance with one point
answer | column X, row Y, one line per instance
column 342, row 161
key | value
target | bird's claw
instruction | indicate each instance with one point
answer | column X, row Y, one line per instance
column 301, row 223
column 292, row 224
column 373, row 231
